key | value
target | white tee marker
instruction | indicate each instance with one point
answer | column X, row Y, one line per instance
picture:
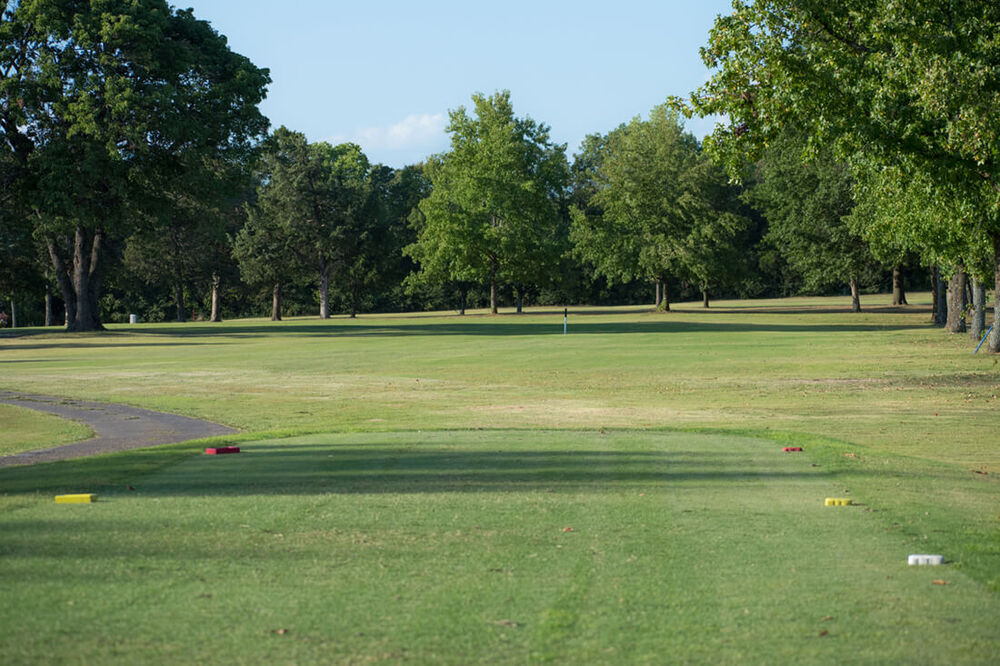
column 924, row 559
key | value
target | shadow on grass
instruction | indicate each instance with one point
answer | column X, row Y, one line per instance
column 491, row 329
column 505, row 327
column 28, row 360
column 305, row 470
column 106, row 342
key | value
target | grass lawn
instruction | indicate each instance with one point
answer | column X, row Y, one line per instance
column 408, row 480
column 27, row 430
column 497, row 546
column 882, row 378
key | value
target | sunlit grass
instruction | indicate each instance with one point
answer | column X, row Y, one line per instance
column 883, row 378
column 24, row 429
column 496, row 546
column 470, row 489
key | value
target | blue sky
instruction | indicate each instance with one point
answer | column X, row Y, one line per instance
column 385, row 74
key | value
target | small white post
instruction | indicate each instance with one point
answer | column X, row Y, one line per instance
column 565, row 319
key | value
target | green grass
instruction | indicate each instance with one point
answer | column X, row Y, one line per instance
column 27, row 430
column 452, row 547
column 882, row 378
column 408, row 479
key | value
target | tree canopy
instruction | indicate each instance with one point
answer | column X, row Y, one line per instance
column 809, row 205
column 658, row 209
column 106, row 103
column 906, row 93
column 493, row 214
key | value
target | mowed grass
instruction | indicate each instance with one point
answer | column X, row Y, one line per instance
column 26, row 430
column 883, row 378
column 505, row 546
column 409, row 482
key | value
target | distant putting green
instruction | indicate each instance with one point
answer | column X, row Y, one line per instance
column 499, row 546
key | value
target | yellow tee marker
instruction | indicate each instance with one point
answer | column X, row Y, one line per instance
column 838, row 501
column 81, row 498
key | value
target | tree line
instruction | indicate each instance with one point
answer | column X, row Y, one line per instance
column 138, row 176
column 904, row 96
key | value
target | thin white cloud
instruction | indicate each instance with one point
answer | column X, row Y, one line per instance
column 416, row 131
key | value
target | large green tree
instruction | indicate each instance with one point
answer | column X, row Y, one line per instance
column 636, row 216
column 263, row 249
column 493, row 215
column 904, row 90
column 99, row 99
column 650, row 206
column 359, row 232
column 324, row 203
column 715, row 252
column 809, row 204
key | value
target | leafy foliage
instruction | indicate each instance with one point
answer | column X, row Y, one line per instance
column 494, row 212
column 809, row 206
column 658, row 208
column 907, row 93
column 107, row 104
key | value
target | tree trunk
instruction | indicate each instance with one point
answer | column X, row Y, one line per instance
column 216, row 300
column 942, row 299
column 86, row 280
column 463, row 292
column 493, row 289
column 665, row 303
column 13, row 314
column 63, row 280
column 704, row 296
column 519, row 295
column 659, row 294
column 956, row 302
column 179, row 300
column 81, row 282
column 934, row 295
column 49, row 315
column 993, row 344
column 324, row 289
column 276, row 302
column 855, row 295
column 978, row 324
column 898, row 286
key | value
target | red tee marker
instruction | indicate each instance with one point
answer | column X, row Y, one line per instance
column 222, row 449
column 790, row 449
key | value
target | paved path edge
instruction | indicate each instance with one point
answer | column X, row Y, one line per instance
column 116, row 427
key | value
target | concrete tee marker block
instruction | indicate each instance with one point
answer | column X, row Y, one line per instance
column 79, row 498
column 925, row 559
column 219, row 450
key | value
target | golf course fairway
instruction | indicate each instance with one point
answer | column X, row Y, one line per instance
column 431, row 488
column 498, row 546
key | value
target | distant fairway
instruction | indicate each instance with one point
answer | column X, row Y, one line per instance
column 883, row 378
column 454, row 489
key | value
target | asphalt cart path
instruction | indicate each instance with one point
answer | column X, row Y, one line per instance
column 116, row 427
